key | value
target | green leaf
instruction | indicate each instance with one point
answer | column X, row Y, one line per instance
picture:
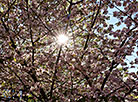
column 14, row 59
column 31, row 100
column 115, row 99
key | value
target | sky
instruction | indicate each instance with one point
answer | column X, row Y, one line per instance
column 114, row 20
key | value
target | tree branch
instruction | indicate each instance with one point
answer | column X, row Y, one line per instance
column 7, row 30
column 115, row 91
column 123, row 13
column 55, row 72
column 71, row 4
column 51, row 31
column 113, row 62
column 87, row 39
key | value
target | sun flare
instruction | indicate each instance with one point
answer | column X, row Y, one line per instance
column 62, row 39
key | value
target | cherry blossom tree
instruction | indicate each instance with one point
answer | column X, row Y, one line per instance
column 90, row 66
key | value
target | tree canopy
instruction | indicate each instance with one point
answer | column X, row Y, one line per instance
column 91, row 66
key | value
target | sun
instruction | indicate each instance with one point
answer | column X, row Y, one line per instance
column 62, row 39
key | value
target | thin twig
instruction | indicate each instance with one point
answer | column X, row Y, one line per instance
column 8, row 8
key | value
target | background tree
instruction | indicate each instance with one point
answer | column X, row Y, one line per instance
column 90, row 67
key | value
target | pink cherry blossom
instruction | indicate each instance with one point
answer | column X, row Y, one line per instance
column 93, row 65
